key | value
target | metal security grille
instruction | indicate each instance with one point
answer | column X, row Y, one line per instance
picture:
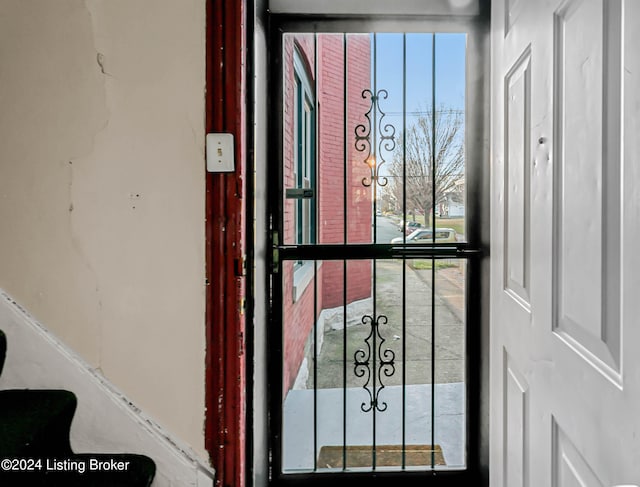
column 369, row 331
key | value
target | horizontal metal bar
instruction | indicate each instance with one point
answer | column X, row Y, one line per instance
column 365, row 24
column 444, row 478
column 378, row 251
column 374, row 7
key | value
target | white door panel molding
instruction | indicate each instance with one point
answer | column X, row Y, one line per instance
column 565, row 223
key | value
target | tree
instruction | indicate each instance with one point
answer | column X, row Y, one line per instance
column 412, row 161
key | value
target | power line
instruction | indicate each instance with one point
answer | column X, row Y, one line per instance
column 448, row 111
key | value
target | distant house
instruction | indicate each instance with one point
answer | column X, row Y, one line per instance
column 453, row 204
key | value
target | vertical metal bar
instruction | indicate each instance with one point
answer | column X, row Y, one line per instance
column 373, row 293
column 404, row 239
column 433, row 236
column 344, row 262
column 315, row 365
column 344, row 364
column 374, row 132
column 315, row 262
column 433, row 137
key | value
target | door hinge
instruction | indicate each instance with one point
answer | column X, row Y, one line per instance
column 275, row 252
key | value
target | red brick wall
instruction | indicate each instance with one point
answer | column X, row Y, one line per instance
column 332, row 161
column 298, row 324
column 330, row 183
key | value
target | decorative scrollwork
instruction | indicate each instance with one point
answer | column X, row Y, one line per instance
column 374, row 137
column 374, row 363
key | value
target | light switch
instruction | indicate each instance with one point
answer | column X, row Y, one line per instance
column 220, row 153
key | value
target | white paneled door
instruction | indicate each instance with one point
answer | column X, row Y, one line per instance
column 565, row 216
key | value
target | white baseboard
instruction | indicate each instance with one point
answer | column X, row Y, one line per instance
column 105, row 421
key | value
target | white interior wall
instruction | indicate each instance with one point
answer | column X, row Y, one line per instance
column 102, row 190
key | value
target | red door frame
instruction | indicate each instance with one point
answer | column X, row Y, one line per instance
column 226, row 246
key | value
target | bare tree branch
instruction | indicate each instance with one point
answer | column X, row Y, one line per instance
column 410, row 169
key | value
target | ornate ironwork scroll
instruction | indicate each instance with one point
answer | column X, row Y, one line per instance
column 383, row 363
column 374, row 137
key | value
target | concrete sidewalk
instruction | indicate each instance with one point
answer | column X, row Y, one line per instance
column 413, row 343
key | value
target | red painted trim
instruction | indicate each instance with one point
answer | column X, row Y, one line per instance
column 226, row 111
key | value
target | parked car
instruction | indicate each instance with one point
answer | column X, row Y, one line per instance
column 408, row 227
column 412, row 227
column 424, row 235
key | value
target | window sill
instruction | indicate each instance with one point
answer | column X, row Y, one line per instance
column 302, row 276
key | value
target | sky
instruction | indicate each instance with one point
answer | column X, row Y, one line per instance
column 415, row 75
column 450, row 70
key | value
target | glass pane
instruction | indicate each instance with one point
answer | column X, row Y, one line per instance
column 357, row 389
column 363, row 147
column 450, row 133
column 450, row 362
column 373, row 350
column 445, row 359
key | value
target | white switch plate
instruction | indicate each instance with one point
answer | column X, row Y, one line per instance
column 220, row 153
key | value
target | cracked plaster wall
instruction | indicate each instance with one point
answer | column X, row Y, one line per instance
column 102, row 190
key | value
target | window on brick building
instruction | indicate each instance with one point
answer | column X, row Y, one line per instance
column 304, row 166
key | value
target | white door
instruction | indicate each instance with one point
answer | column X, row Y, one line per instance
column 565, row 216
